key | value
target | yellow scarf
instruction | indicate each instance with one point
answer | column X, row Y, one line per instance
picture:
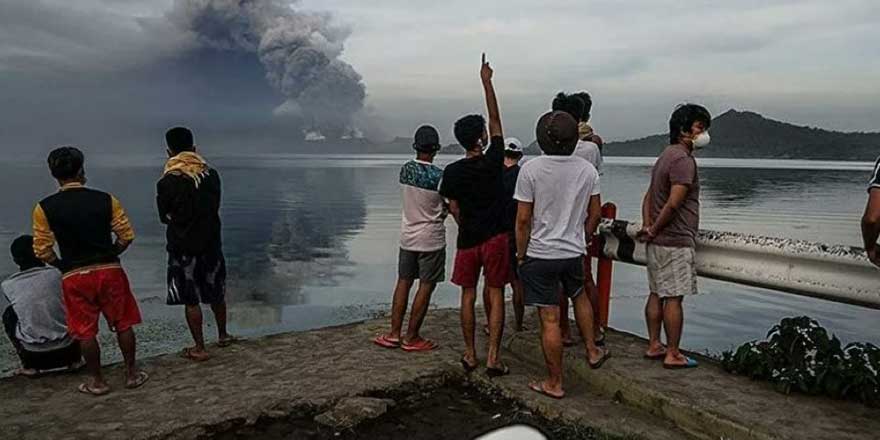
column 584, row 130
column 188, row 164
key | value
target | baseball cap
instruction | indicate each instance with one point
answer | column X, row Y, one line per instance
column 513, row 144
column 426, row 139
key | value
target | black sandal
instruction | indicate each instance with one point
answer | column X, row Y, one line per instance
column 467, row 367
column 494, row 372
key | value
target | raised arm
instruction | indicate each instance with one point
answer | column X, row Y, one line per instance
column 486, row 74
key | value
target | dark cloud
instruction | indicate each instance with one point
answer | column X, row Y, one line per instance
column 93, row 75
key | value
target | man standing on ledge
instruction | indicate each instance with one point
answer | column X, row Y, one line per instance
column 474, row 187
column 188, row 200
column 670, row 223
column 559, row 207
column 422, row 252
column 83, row 221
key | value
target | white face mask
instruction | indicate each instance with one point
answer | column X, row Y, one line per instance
column 702, row 140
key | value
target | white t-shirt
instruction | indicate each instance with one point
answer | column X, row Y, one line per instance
column 422, row 228
column 559, row 188
column 589, row 151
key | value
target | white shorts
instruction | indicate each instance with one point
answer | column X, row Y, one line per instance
column 672, row 271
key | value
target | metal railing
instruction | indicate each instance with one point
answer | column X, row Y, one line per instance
column 836, row 273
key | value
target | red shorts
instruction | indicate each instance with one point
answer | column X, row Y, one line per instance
column 492, row 256
column 89, row 292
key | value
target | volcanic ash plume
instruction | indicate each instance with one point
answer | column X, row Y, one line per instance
column 299, row 50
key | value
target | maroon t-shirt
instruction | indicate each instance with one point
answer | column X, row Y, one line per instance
column 676, row 166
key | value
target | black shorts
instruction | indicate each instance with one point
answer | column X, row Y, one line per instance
column 194, row 279
column 39, row 360
column 541, row 280
column 424, row 266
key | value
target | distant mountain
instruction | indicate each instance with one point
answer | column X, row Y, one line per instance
column 744, row 134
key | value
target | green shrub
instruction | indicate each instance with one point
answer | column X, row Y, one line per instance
column 799, row 355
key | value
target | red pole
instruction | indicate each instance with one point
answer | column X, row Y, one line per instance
column 603, row 275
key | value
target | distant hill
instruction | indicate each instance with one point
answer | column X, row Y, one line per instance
column 744, row 134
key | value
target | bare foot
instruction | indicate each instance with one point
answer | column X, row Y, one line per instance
column 137, row 379
column 656, row 352
column 93, row 389
column 195, row 354
column 541, row 387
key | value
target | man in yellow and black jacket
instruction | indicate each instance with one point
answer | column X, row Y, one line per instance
column 83, row 221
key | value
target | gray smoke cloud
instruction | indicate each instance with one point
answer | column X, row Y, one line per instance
column 299, row 50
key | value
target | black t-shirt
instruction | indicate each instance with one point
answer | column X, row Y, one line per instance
column 509, row 180
column 477, row 184
column 191, row 213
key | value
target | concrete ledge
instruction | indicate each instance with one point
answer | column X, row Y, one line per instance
column 708, row 402
column 309, row 372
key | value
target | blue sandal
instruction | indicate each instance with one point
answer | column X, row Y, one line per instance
column 691, row 363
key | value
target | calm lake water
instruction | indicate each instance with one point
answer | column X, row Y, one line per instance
column 312, row 241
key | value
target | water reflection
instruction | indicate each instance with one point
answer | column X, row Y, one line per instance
column 286, row 229
column 740, row 187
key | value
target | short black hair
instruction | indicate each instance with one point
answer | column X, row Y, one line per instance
column 588, row 105
column 469, row 130
column 179, row 139
column 65, row 163
column 513, row 154
column 570, row 104
column 684, row 117
column 22, row 250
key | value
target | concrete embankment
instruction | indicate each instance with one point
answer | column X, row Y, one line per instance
column 312, row 372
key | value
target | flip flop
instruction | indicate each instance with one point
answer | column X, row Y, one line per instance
column 187, row 353
column 598, row 364
column 420, row 345
column 139, row 379
column 655, row 356
column 86, row 389
column 227, row 341
column 538, row 387
column 600, row 342
column 494, row 372
column 27, row 372
column 386, row 342
column 691, row 363
column 467, row 367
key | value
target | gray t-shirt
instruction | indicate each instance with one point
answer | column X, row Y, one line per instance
column 35, row 296
column 560, row 188
column 676, row 166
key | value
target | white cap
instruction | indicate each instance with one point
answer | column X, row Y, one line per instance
column 513, row 144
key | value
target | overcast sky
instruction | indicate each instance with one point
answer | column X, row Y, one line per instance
column 71, row 68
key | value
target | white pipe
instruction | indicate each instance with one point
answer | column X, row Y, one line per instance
column 836, row 273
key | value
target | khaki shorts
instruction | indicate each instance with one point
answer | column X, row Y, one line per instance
column 672, row 271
